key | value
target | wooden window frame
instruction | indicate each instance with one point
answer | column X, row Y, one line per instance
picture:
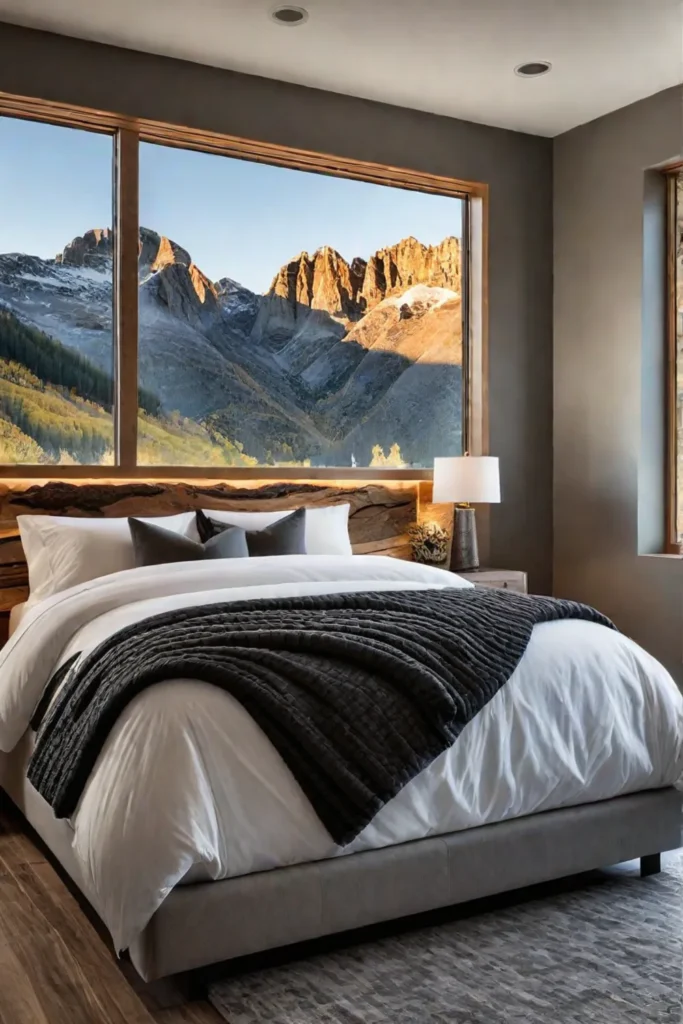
column 128, row 133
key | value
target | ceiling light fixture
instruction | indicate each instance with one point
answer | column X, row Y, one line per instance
column 289, row 17
column 533, row 68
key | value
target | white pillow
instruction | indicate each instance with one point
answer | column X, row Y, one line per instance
column 61, row 552
column 327, row 529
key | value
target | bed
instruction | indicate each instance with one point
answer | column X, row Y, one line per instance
column 194, row 842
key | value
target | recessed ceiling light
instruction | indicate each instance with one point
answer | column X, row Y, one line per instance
column 533, row 68
column 289, row 16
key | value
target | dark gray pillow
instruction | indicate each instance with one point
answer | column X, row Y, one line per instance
column 152, row 545
column 285, row 537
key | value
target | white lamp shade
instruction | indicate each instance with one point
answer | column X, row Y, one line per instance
column 468, row 478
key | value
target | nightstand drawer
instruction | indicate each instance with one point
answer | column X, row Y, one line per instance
column 497, row 579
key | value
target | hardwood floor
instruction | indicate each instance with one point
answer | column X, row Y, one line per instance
column 55, row 968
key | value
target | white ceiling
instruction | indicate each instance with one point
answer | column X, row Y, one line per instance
column 453, row 57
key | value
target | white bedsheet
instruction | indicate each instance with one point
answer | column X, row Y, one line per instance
column 188, row 786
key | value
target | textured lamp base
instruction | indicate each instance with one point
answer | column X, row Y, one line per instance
column 464, row 549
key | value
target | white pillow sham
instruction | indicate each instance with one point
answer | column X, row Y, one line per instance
column 327, row 529
column 61, row 552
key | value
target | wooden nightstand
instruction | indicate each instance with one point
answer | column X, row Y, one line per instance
column 503, row 579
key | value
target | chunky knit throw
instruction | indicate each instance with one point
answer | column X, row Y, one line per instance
column 357, row 692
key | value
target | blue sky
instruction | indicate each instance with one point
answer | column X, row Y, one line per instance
column 237, row 219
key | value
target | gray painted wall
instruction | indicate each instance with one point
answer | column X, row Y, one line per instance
column 609, row 351
column 517, row 167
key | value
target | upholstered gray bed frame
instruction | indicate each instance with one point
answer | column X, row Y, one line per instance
column 207, row 922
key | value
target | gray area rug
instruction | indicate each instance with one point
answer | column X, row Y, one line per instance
column 610, row 952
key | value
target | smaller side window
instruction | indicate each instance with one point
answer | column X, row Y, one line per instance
column 675, row 389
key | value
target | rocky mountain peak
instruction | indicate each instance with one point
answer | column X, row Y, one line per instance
column 165, row 270
column 407, row 263
column 157, row 251
column 169, row 271
column 88, row 250
column 326, row 281
column 238, row 303
column 322, row 281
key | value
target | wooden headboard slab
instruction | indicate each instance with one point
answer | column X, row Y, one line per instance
column 379, row 518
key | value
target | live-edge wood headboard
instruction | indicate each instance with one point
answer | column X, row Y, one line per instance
column 379, row 518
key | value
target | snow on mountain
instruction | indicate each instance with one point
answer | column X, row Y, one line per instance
column 422, row 295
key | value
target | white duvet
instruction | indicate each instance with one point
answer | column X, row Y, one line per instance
column 188, row 787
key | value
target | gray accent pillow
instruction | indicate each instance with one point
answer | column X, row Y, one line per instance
column 285, row 537
column 152, row 545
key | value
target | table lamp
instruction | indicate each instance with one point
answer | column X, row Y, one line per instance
column 461, row 480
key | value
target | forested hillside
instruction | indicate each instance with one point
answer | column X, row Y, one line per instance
column 60, row 366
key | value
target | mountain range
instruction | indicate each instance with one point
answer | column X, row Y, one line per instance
column 336, row 364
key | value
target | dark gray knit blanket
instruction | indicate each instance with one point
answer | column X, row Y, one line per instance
column 357, row 692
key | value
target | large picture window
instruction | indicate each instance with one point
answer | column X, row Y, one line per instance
column 228, row 306
column 56, row 339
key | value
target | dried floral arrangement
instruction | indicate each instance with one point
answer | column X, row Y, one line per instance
column 429, row 543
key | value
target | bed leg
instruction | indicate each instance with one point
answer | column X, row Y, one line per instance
column 196, row 985
column 650, row 865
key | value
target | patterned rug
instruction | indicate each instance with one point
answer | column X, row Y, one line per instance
column 609, row 952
